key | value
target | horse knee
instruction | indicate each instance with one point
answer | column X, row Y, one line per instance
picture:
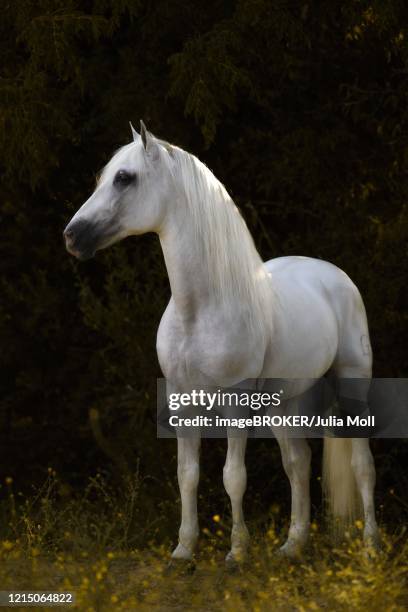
column 234, row 476
column 296, row 461
column 363, row 468
column 188, row 476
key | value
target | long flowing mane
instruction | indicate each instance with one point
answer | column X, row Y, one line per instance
column 235, row 270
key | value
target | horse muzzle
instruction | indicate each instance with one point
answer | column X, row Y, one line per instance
column 79, row 239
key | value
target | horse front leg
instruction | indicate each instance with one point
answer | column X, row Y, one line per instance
column 188, row 471
column 235, row 479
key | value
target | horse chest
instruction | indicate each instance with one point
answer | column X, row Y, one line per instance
column 207, row 353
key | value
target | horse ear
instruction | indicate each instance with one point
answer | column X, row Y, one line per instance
column 149, row 141
column 144, row 134
column 134, row 133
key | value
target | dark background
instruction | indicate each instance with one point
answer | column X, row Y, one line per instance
column 300, row 108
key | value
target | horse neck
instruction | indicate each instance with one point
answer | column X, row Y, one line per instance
column 211, row 259
column 188, row 280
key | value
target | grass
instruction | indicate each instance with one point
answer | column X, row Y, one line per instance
column 95, row 545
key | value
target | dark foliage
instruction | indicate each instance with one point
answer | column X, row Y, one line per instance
column 300, row 108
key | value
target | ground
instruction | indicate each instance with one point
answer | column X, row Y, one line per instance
column 86, row 545
column 342, row 578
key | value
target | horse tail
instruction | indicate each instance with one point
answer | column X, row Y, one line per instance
column 339, row 485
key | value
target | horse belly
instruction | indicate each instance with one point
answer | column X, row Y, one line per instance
column 306, row 337
column 303, row 351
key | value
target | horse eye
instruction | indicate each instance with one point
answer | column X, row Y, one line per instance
column 123, row 178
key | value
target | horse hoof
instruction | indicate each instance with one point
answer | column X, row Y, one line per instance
column 181, row 553
column 180, row 567
column 372, row 546
column 290, row 550
column 234, row 561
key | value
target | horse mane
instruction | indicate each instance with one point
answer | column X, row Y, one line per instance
column 235, row 270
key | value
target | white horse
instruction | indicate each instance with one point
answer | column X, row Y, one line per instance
column 232, row 317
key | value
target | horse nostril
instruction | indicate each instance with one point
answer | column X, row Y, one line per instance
column 69, row 238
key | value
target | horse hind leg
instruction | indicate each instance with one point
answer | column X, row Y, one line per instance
column 296, row 459
column 354, row 361
column 362, row 464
